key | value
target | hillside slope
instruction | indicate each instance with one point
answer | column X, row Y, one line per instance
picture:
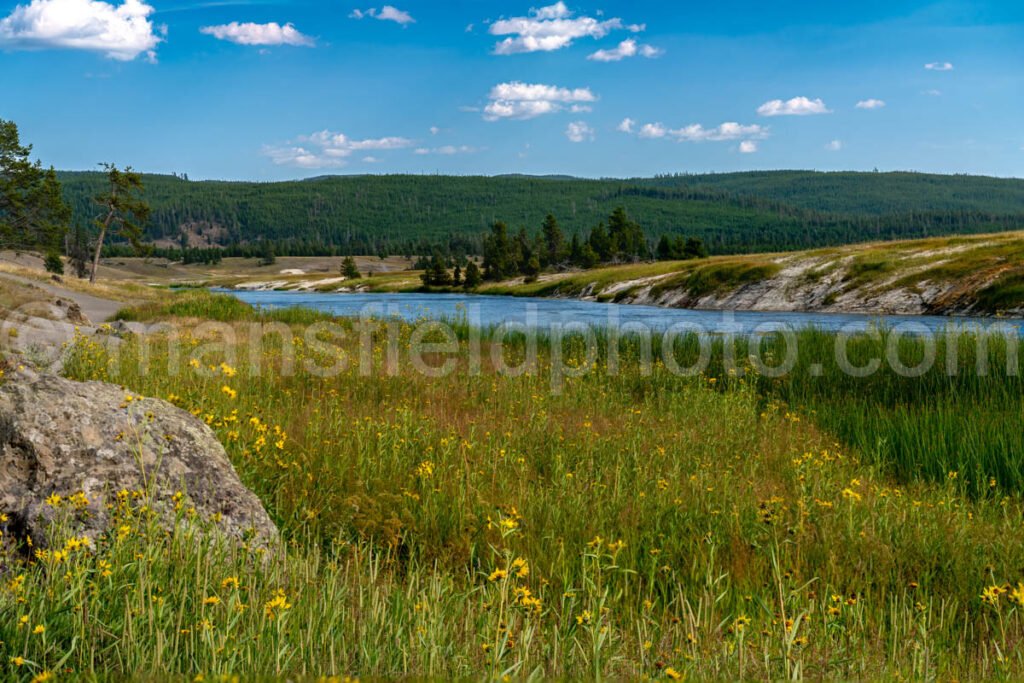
column 732, row 213
column 875, row 194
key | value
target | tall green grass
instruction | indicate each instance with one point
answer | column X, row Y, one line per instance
column 711, row 526
column 950, row 418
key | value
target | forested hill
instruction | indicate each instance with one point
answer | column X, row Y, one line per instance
column 742, row 212
column 864, row 193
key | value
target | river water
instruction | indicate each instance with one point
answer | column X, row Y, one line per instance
column 486, row 311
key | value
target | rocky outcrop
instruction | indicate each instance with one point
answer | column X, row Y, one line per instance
column 63, row 437
column 804, row 283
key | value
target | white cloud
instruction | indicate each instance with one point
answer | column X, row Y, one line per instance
column 328, row 150
column 627, row 48
column 259, row 34
column 434, row 130
column 446, row 150
column 726, row 131
column 834, row 146
column 932, row 93
column 871, row 104
column 939, row 66
column 551, row 28
column 389, row 13
column 556, row 11
column 385, row 13
column 626, row 126
column 729, row 130
column 120, row 31
column 579, row 131
column 518, row 100
column 798, row 106
column 748, row 147
column 371, row 160
column 652, row 130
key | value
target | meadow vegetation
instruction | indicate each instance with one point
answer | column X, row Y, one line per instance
column 722, row 525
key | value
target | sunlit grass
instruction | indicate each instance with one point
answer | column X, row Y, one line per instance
column 480, row 525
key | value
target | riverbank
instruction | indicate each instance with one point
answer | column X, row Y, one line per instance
column 963, row 276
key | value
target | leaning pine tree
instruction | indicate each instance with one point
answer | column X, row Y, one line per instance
column 124, row 211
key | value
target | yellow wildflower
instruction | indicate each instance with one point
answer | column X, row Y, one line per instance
column 990, row 596
column 1017, row 595
column 851, row 494
column 276, row 604
column 520, row 568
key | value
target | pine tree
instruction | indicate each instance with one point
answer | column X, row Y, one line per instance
column 473, row 278
column 522, row 250
column 33, row 214
column 125, row 211
column 588, row 257
column 575, row 252
column 532, row 269
column 695, row 248
column 601, row 244
column 554, row 241
column 626, row 235
column 77, row 249
column 664, row 249
column 53, row 263
column 267, row 255
column 498, row 262
column 437, row 274
column 349, row 269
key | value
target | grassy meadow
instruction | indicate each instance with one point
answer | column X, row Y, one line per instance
column 476, row 524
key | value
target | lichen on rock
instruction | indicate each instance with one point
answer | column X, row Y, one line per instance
column 65, row 438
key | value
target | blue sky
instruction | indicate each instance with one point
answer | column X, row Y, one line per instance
column 274, row 90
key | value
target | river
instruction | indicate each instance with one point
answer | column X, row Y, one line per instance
column 486, row 311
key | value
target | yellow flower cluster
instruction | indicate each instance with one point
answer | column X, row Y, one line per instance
column 276, row 605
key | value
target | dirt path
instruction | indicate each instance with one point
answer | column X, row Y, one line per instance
column 97, row 310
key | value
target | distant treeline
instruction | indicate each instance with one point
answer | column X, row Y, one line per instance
column 507, row 255
column 417, row 215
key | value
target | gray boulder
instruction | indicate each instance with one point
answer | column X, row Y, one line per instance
column 64, row 437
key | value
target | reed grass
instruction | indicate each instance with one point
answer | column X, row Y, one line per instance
column 478, row 525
